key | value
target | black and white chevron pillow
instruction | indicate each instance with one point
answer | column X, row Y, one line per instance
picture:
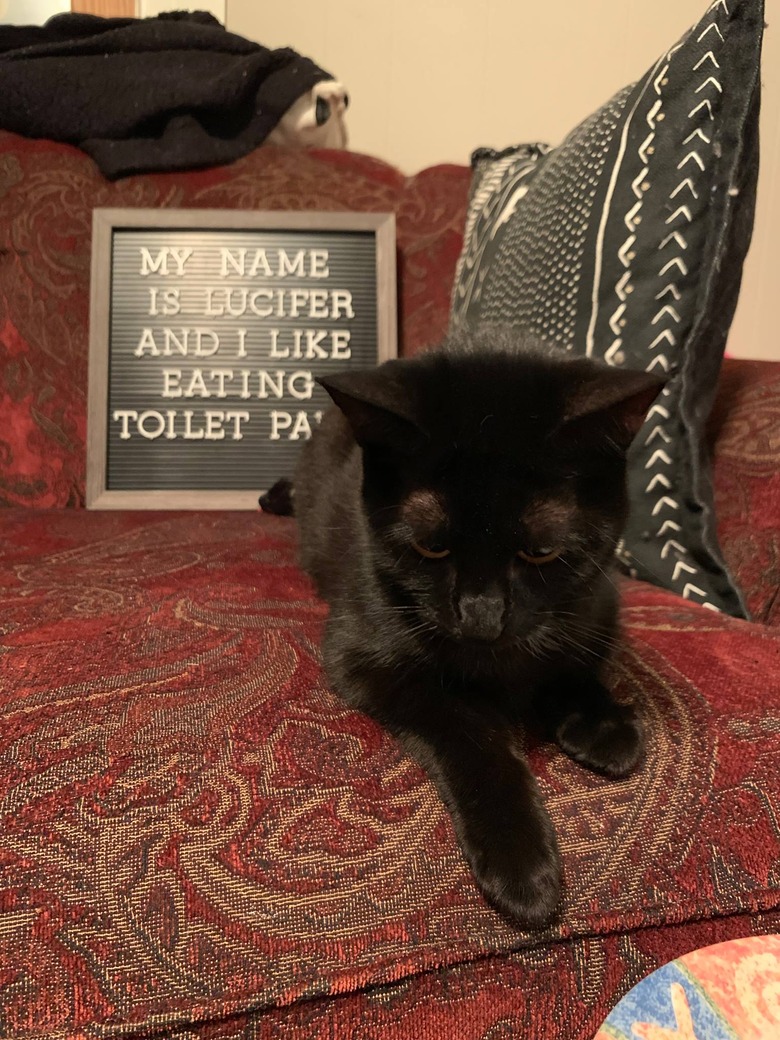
column 626, row 243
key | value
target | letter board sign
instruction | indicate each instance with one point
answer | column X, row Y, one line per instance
column 208, row 330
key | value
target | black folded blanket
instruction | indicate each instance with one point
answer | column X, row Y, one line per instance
column 144, row 95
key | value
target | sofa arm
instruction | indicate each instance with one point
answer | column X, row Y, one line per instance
column 744, row 434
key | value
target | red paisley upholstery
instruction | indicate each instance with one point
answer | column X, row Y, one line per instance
column 746, row 427
column 550, row 993
column 197, row 839
column 195, row 826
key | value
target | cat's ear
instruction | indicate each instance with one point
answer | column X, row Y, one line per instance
column 612, row 402
column 379, row 406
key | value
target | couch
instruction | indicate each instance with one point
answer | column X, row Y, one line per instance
column 197, row 839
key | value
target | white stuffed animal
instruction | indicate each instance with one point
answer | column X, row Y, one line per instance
column 315, row 120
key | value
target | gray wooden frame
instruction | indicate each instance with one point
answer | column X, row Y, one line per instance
column 104, row 223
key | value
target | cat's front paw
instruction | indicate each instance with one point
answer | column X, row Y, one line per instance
column 611, row 743
column 521, row 877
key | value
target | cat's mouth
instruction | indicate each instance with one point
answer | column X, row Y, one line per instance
column 475, row 638
column 535, row 637
column 532, row 634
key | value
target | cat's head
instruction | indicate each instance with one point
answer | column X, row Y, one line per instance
column 494, row 479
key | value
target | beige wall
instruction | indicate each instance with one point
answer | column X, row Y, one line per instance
column 432, row 79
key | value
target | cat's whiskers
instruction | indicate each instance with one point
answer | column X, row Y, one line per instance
column 384, row 509
column 597, row 565
column 574, row 633
column 568, row 642
column 421, row 626
column 537, row 641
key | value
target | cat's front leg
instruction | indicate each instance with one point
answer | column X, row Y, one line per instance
column 501, row 823
column 497, row 811
column 587, row 723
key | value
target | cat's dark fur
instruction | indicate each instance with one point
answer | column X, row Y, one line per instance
column 488, row 447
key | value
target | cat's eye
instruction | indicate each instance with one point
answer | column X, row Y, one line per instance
column 539, row 556
column 431, row 552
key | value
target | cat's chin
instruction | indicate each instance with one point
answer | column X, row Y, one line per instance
column 535, row 641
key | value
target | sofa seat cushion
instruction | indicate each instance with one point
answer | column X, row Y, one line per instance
column 192, row 825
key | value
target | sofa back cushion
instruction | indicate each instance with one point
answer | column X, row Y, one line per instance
column 47, row 194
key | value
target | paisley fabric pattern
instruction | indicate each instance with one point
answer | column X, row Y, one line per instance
column 193, row 825
column 745, row 432
column 47, row 194
column 506, row 997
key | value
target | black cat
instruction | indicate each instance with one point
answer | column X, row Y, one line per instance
column 459, row 512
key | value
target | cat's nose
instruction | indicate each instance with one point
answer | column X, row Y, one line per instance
column 481, row 615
